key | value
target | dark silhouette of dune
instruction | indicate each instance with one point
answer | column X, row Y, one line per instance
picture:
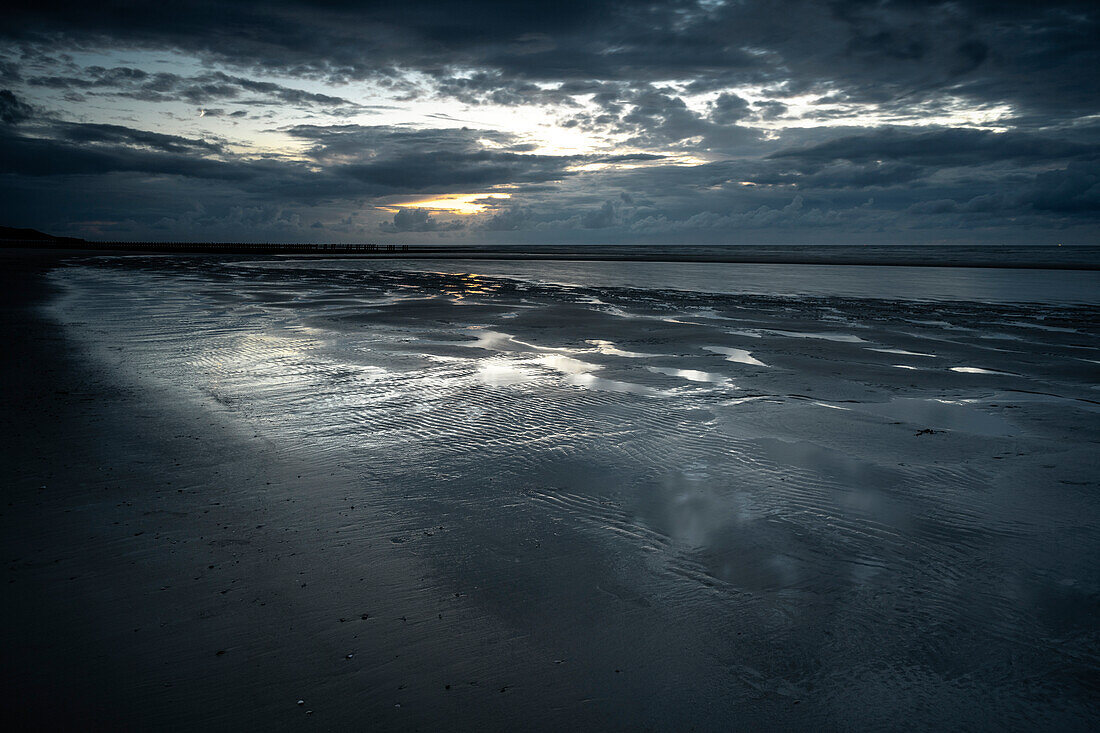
column 13, row 234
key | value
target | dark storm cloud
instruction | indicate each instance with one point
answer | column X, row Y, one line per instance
column 394, row 159
column 419, row 220
column 952, row 147
column 333, row 143
column 101, row 133
column 510, row 219
column 199, row 89
column 359, row 161
column 629, row 158
column 890, row 51
column 31, row 156
column 12, row 109
column 9, row 71
column 449, row 171
column 1070, row 192
column 650, row 116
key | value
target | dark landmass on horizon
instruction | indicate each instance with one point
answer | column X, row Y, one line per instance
column 1045, row 257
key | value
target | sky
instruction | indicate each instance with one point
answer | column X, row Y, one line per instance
column 565, row 122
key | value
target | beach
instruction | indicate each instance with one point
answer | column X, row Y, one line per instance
column 269, row 493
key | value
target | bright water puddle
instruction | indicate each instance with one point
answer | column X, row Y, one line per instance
column 902, row 352
column 692, row 375
column 669, row 319
column 1041, row 327
column 503, row 372
column 566, row 364
column 506, row 372
column 499, row 341
column 741, row 356
column 848, row 338
column 498, row 372
column 977, row 370
column 610, row 349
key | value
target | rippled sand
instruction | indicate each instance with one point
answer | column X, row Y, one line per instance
column 660, row 507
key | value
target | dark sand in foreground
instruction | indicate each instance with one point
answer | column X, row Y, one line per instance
column 164, row 571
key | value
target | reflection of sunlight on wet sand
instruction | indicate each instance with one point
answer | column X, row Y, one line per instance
column 462, row 285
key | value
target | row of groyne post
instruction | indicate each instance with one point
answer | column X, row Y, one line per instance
column 239, row 247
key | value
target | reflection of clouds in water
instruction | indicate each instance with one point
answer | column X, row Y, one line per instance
column 715, row 527
column 940, row 414
column 689, row 508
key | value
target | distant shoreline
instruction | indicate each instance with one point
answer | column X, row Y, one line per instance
column 1046, row 257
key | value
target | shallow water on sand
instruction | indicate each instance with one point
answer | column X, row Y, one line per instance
column 799, row 509
column 995, row 285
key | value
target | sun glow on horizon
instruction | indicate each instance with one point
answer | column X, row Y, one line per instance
column 465, row 204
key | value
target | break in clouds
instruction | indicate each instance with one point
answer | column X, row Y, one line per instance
column 703, row 121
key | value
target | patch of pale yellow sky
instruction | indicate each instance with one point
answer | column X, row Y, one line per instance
column 464, row 204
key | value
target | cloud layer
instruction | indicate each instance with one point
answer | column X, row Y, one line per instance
column 703, row 121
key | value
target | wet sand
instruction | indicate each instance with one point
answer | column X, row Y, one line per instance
column 522, row 505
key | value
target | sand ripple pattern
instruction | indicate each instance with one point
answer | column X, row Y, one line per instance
column 825, row 524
